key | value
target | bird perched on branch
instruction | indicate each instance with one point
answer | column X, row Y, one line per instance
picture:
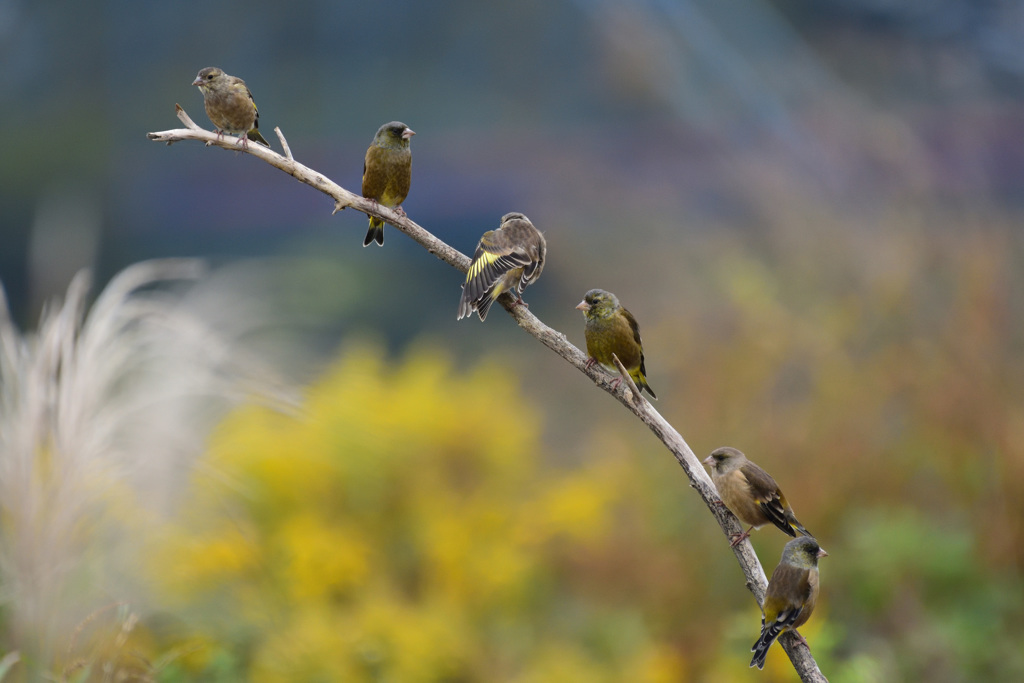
column 750, row 493
column 387, row 172
column 791, row 595
column 611, row 329
column 507, row 259
column 229, row 105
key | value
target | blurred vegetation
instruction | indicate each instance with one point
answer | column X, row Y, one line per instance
column 813, row 210
column 406, row 527
column 421, row 518
column 410, row 523
column 413, row 519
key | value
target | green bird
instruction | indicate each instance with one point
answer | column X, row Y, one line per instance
column 791, row 595
column 387, row 171
column 229, row 105
column 508, row 259
column 611, row 329
column 750, row 493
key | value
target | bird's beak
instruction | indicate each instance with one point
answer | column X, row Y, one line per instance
column 583, row 306
column 822, row 553
column 708, row 460
column 198, row 81
column 409, row 132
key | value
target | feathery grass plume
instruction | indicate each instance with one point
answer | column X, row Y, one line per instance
column 102, row 413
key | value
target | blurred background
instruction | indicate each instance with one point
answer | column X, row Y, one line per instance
column 296, row 465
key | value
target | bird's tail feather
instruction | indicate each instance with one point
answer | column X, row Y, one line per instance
column 793, row 526
column 641, row 383
column 375, row 233
column 255, row 136
column 760, row 648
column 484, row 305
column 465, row 305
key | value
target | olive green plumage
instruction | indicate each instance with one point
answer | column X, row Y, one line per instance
column 387, row 173
column 611, row 329
column 229, row 105
column 750, row 493
column 791, row 595
column 507, row 259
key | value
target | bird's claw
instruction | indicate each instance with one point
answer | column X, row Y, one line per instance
column 739, row 538
column 800, row 639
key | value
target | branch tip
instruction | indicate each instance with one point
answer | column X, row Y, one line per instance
column 184, row 118
column 284, row 144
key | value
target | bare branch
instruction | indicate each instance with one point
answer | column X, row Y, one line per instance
column 185, row 118
column 284, row 144
column 626, row 392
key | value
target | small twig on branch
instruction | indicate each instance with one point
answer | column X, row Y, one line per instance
column 628, row 395
column 628, row 379
column 284, row 144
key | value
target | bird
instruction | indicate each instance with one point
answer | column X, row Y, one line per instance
column 611, row 329
column 750, row 493
column 229, row 105
column 791, row 595
column 387, row 171
column 508, row 259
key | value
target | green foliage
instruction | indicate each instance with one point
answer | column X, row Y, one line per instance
column 920, row 599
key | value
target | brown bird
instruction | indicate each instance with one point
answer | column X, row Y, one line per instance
column 750, row 493
column 229, row 105
column 507, row 259
column 387, row 172
column 611, row 329
column 791, row 595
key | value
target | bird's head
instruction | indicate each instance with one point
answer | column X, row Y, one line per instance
column 598, row 303
column 394, row 135
column 208, row 78
column 725, row 459
column 804, row 552
column 513, row 216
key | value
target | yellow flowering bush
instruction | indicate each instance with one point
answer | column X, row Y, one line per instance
column 401, row 526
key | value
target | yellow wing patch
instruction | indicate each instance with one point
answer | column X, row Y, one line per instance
column 485, row 259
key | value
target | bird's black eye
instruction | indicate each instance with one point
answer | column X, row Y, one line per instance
column 209, row 77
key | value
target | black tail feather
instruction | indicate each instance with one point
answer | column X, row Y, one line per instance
column 375, row 233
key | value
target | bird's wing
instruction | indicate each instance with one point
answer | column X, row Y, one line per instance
column 783, row 607
column 495, row 256
column 633, row 325
column 375, row 177
column 769, row 498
